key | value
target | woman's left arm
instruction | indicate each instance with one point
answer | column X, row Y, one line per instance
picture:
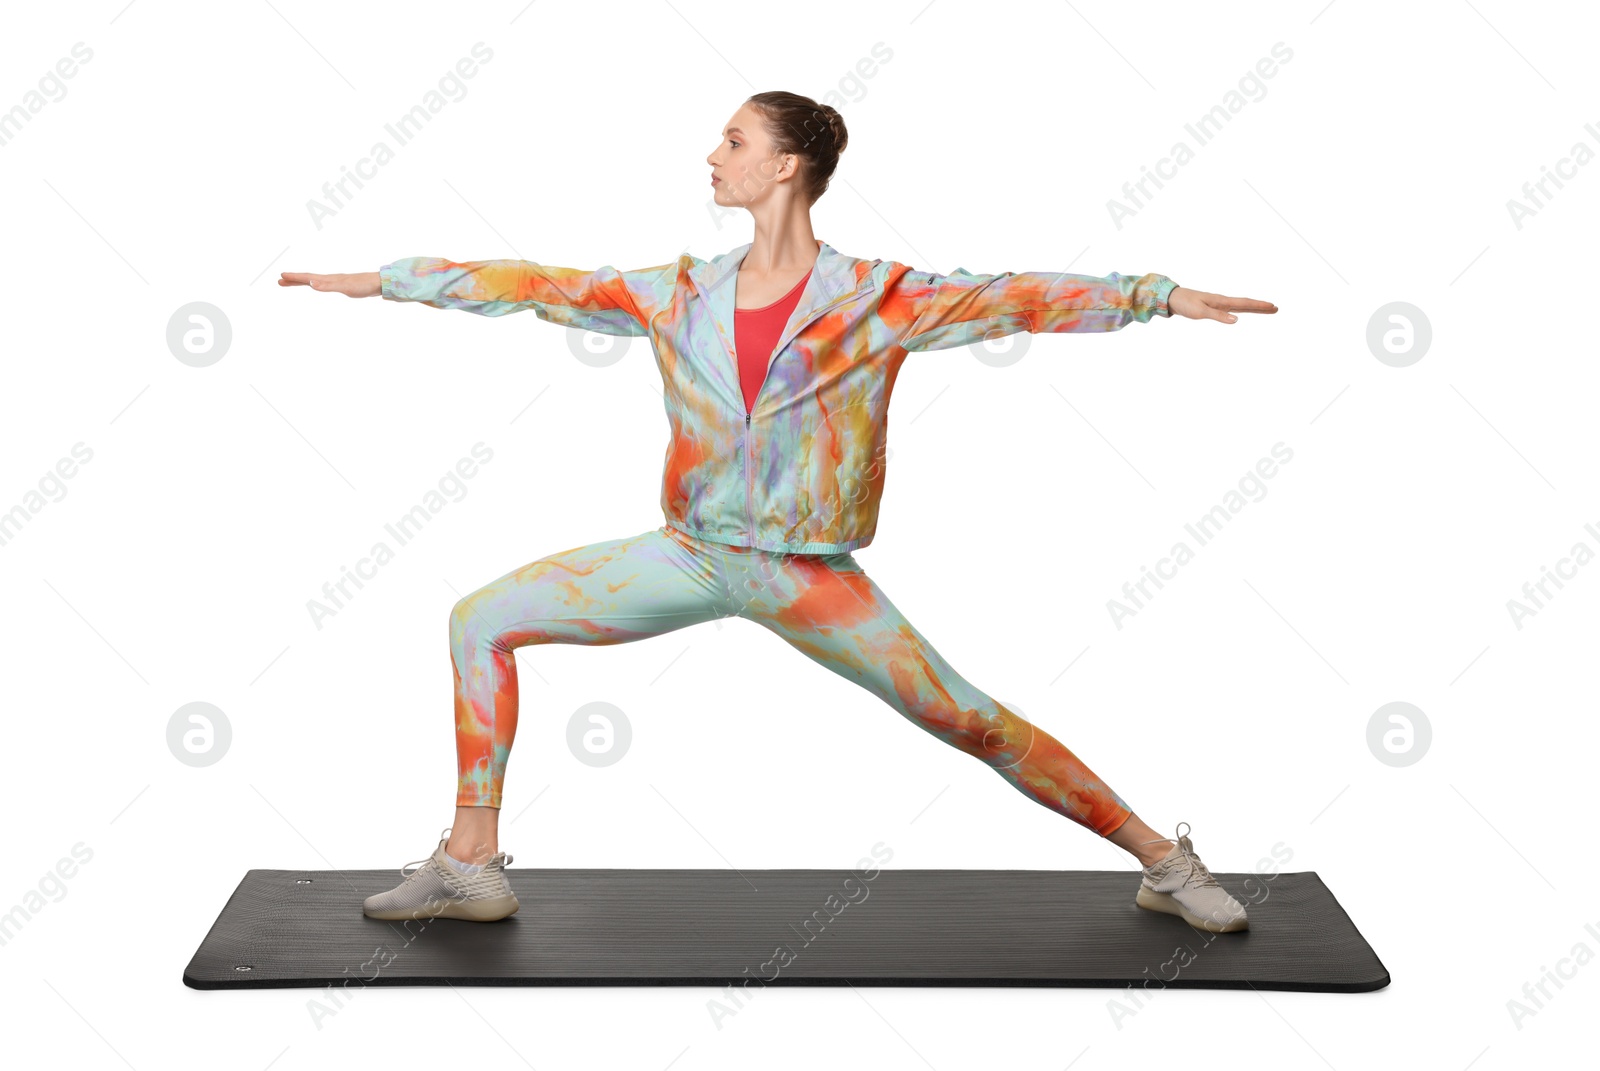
column 935, row 312
column 1199, row 305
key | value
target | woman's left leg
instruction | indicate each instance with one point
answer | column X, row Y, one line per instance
column 831, row 611
column 826, row 607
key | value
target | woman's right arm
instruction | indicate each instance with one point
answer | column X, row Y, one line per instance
column 358, row 284
column 605, row 300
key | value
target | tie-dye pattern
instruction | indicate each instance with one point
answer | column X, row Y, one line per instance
column 806, row 473
column 825, row 606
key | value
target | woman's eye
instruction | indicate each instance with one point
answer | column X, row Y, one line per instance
column 735, row 144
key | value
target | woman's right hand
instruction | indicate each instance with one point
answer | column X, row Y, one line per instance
column 355, row 284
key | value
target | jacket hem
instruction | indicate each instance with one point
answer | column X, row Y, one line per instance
column 773, row 546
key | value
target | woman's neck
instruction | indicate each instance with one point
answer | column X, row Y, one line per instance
column 781, row 251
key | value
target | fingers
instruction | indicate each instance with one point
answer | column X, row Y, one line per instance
column 305, row 278
column 1243, row 304
column 1221, row 307
column 309, row 278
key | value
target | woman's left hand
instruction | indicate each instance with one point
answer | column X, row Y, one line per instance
column 1199, row 305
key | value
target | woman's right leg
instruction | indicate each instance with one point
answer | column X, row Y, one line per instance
column 603, row 593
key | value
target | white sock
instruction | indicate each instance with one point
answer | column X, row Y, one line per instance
column 465, row 868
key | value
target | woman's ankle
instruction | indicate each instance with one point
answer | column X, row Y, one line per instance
column 468, row 851
column 1140, row 841
column 474, row 835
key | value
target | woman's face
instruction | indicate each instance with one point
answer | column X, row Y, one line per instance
column 744, row 167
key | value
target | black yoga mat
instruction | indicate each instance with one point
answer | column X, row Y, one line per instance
column 301, row 928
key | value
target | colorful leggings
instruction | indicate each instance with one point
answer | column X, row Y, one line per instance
column 822, row 604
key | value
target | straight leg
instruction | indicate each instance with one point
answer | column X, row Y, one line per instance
column 831, row 611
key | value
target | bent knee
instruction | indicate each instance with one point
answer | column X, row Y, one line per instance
column 469, row 622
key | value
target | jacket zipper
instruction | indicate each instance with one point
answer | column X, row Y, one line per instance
column 749, row 460
column 749, row 457
column 749, row 454
column 749, row 480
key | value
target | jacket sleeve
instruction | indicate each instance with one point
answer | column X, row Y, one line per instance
column 606, row 300
column 935, row 312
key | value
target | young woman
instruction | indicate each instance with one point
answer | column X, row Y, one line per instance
column 777, row 361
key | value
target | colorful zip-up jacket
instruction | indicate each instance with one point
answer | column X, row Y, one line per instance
column 803, row 470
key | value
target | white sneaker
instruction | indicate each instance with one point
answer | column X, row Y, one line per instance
column 1180, row 884
column 438, row 890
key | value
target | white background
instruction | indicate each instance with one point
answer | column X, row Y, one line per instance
column 1376, row 167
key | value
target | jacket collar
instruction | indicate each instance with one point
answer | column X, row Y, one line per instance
column 832, row 278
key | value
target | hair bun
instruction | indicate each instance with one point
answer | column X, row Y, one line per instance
column 791, row 123
column 836, row 125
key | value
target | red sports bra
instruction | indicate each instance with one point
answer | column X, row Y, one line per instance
column 755, row 333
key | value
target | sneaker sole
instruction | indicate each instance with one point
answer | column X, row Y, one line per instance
column 1167, row 903
column 467, row 910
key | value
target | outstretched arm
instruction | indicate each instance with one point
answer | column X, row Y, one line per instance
column 605, row 300
column 1200, row 305
column 935, row 312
